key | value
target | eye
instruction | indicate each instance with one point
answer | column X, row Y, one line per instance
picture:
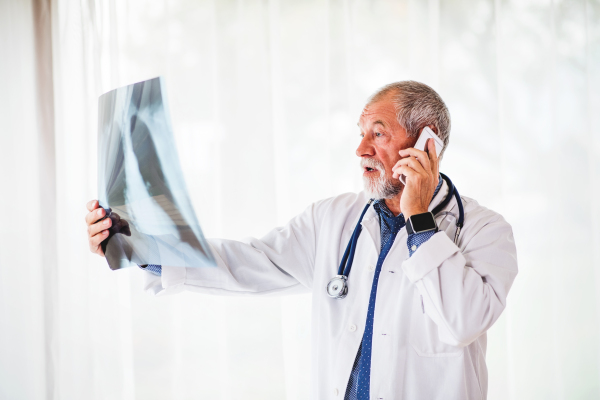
column 378, row 134
column 362, row 135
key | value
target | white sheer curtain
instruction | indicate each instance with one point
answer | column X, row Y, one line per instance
column 264, row 97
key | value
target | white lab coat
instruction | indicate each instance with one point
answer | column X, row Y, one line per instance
column 432, row 310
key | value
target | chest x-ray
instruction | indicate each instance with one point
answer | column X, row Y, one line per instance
column 140, row 183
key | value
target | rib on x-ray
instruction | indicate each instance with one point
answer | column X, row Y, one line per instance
column 140, row 183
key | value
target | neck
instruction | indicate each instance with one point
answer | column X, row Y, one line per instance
column 393, row 204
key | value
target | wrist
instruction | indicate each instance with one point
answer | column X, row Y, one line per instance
column 420, row 223
column 410, row 213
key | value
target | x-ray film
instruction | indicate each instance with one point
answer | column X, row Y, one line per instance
column 140, row 183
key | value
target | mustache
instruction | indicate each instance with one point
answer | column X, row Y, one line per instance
column 372, row 163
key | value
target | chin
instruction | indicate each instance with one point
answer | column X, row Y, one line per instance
column 382, row 187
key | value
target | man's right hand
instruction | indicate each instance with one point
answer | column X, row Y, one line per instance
column 97, row 231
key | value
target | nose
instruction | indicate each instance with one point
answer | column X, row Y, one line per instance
column 365, row 148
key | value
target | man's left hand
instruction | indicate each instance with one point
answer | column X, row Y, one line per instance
column 421, row 170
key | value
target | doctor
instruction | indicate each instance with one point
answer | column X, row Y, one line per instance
column 413, row 323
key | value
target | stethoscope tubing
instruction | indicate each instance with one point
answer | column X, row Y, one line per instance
column 351, row 248
column 348, row 258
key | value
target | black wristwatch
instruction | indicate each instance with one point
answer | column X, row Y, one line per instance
column 421, row 223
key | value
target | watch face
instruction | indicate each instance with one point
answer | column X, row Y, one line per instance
column 423, row 222
column 336, row 287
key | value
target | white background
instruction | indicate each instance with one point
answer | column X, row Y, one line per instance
column 265, row 96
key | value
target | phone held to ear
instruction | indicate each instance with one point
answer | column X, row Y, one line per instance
column 426, row 133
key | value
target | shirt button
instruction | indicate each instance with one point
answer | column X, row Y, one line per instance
column 352, row 328
column 371, row 267
column 414, row 247
column 335, row 392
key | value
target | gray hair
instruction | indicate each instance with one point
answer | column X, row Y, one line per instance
column 417, row 106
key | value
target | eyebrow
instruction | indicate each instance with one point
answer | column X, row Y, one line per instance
column 380, row 122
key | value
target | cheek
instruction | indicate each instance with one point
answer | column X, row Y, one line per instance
column 388, row 164
column 389, row 159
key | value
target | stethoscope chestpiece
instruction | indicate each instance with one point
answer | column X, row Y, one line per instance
column 337, row 287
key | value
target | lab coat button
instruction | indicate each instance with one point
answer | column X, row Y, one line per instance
column 371, row 267
column 335, row 392
column 352, row 328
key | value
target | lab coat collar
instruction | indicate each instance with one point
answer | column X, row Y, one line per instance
column 440, row 196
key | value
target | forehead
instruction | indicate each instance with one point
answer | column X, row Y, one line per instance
column 380, row 112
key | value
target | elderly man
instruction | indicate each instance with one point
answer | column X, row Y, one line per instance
column 413, row 323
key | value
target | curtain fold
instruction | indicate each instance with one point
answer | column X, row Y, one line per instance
column 264, row 97
column 27, row 182
column 42, row 26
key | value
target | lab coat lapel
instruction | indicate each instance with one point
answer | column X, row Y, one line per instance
column 370, row 223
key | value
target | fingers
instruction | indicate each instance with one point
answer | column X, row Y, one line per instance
column 99, row 227
column 92, row 205
column 97, row 231
column 94, row 216
column 419, row 155
column 433, row 158
column 407, row 171
column 95, row 241
column 411, row 162
column 431, row 151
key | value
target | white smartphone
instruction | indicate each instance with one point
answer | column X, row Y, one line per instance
column 426, row 133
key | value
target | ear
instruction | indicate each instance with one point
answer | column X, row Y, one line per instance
column 433, row 128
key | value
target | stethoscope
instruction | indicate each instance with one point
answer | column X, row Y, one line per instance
column 338, row 285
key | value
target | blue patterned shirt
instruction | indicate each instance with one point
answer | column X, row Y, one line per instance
column 360, row 378
column 155, row 269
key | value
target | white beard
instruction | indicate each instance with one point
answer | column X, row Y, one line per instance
column 380, row 187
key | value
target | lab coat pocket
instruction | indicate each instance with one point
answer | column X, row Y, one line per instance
column 424, row 337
